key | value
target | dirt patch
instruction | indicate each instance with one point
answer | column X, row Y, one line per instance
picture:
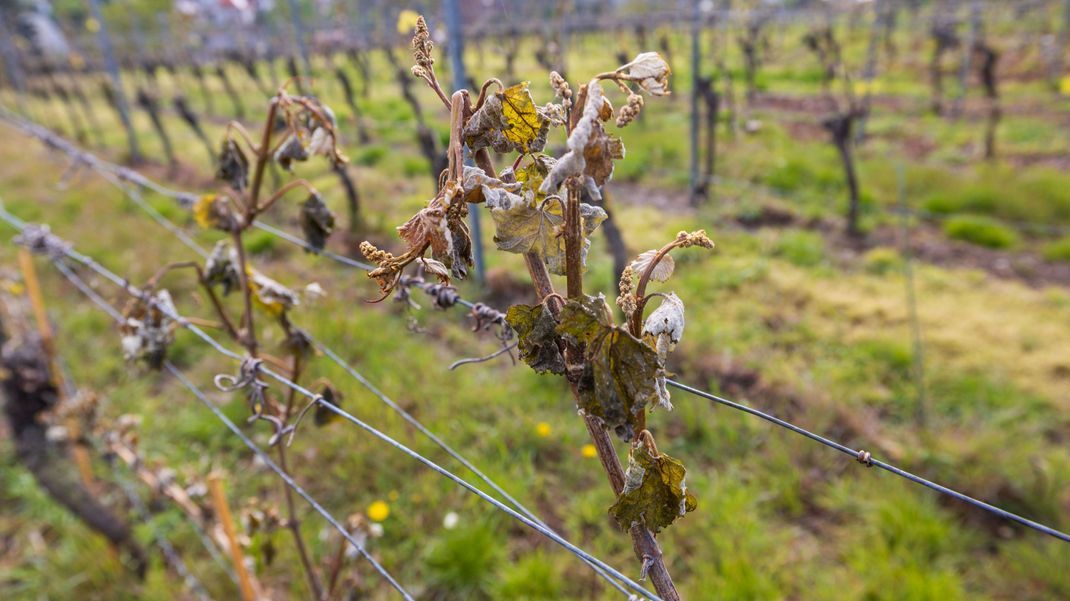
column 929, row 244
column 741, row 383
column 629, row 194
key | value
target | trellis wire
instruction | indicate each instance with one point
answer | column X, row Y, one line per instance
column 161, row 541
column 866, row 459
column 85, row 289
column 192, row 244
column 60, row 250
column 869, row 461
column 126, row 286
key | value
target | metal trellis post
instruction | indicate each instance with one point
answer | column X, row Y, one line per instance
column 112, row 67
column 460, row 78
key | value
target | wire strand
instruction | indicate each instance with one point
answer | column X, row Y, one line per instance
column 212, row 342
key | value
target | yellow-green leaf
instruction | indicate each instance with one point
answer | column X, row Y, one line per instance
column 524, row 124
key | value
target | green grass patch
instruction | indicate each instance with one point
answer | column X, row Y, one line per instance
column 980, row 231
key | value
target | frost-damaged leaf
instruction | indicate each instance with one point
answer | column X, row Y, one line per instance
column 661, row 272
column 147, row 329
column 666, row 322
column 535, row 327
column 323, row 415
column 525, row 124
column 291, row 150
column 221, row 268
column 478, row 186
column 212, row 211
column 271, row 296
column 619, row 378
column 662, row 330
column 654, row 492
column 525, row 225
column 233, row 165
column 601, row 150
column 508, row 121
column 588, row 130
column 317, row 222
column 427, row 227
column 648, row 70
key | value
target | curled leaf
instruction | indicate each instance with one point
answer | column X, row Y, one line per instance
column 477, row 185
column 212, row 211
column 601, row 150
column 662, row 331
column 666, row 322
column 220, row 269
column 619, row 377
column 648, row 70
column 289, row 151
column 271, row 296
column 536, row 329
column 324, row 416
column 524, row 226
column 588, row 131
column 147, row 330
column 661, row 272
column 233, row 166
column 317, row 222
column 508, row 121
column 654, row 494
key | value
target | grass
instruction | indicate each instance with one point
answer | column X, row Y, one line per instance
column 981, row 231
column 778, row 517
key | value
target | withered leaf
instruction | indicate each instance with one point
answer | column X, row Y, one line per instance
column 654, row 492
column 324, row 416
column 271, row 296
column 459, row 257
column 535, row 327
column 428, row 226
column 661, row 272
column 221, row 269
column 507, row 122
column 525, row 125
column 317, row 222
column 291, row 150
column 620, row 372
column 212, row 211
column 601, row 150
column 661, row 331
column 527, row 225
column 233, row 165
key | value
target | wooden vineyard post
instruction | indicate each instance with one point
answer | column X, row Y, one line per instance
column 222, row 511
column 44, row 330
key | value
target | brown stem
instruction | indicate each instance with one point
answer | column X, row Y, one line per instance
column 262, row 159
column 643, row 542
column 646, row 548
column 248, row 335
column 336, row 567
column 282, row 192
column 295, row 527
column 203, row 281
column 458, row 105
column 635, row 325
column 573, row 241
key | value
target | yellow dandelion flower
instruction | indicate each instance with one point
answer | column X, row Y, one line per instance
column 378, row 511
column 542, row 429
column 589, row 451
